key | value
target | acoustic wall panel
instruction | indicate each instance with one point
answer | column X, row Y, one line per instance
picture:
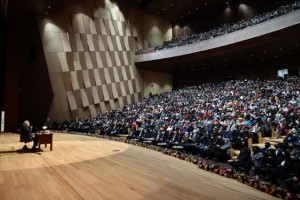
column 63, row 62
column 92, row 77
column 131, row 72
column 92, row 110
column 103, row 107
column 128, row 32
column 66, row 42
column 52, row 42
column 74, row 81
column 111, row 27
column 84, row 41
column 120, row 28
column 107, row 76
column 100, row 44
column 86, row 24
column 138, row 87
column 123, row 90
column 114, row 91
column 90, row 42
column 70, row 61
column 99, row 60
column 130, row 87
column 102, row 27
column 105, row 93
column 124, row 75
column 53, row 60
column 97, row 77
column 108, row 59
column 110, row 44
column 111, row 75
column 79, row 44
column 121, row 102
column 95, row 95
column 113, row 13
column 84, row 98
column 67, row 81
column 82, row 60
column 93, row 27
column 71, row 99
column 76, row 61
column 117, row 59
column 86, row 79
column 90, row 59
column 119, row 45
column 95, row 42
column 89, row 95
column 125, row 57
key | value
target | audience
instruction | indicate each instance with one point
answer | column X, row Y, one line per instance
column 210, row 119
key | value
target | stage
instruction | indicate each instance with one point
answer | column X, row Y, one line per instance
column 83, row 167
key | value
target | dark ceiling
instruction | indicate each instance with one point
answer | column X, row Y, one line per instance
column 190, row 10
column 172, row 10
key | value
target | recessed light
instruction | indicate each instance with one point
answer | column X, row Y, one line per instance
column 49, row 6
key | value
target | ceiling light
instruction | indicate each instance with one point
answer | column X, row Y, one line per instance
column 49, row 6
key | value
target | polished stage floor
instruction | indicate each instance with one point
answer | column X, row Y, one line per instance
column 83, row 167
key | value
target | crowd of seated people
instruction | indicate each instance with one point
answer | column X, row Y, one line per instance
column 231, row 27
column 210, row 119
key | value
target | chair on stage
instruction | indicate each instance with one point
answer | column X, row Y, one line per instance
column 26, row 138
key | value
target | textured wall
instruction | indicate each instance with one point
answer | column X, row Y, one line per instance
column 89, row 49
column 156, row 30
column 156, row 82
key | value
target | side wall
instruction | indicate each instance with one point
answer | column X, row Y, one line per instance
column 156, row 31
column 156, row 83
column 89, row 48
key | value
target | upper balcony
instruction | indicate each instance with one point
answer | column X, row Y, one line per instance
column 280, row 29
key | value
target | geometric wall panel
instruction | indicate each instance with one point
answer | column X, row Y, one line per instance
column 91, row 58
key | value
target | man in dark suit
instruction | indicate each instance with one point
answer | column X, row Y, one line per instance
column 243, row 161
column 26, row 136
column 278, row 153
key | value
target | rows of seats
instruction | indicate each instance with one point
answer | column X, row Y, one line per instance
column 214, row 121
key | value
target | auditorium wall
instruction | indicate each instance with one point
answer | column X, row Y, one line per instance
column 156, row 82
column 156, row 31
column 89, row 48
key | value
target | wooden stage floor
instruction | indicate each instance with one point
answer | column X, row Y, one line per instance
column 83, row 167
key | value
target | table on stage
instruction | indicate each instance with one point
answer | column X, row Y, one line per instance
column 45, row 139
